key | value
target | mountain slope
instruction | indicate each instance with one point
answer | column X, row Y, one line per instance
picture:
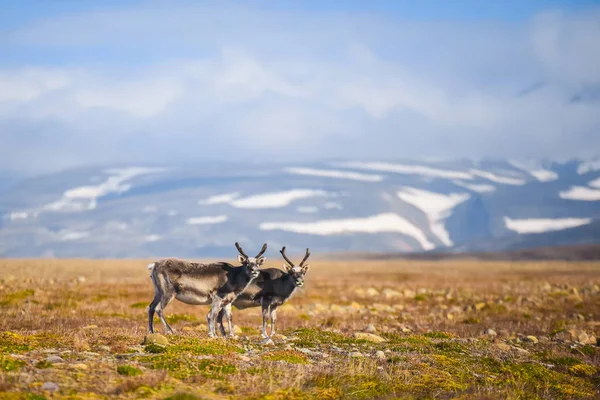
column 399, row 206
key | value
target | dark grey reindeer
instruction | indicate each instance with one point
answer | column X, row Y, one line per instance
column 217, row 284
column 272, row 288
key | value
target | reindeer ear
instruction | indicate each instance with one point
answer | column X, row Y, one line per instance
column 305, row 268
column 261, row 261
column 241, row 258
column 287, row 268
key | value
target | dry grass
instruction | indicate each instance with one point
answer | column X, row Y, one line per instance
column 433, row 315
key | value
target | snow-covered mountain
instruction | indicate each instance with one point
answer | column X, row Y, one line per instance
column 364, row 206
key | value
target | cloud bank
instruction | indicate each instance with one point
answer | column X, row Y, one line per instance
column 194, row 82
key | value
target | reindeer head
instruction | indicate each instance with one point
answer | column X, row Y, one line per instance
column 297, row 272
column 252, row 264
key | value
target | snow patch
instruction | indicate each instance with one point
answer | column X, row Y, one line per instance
column 357, row 176
column 276, row 199
column 225, row 198
column 407, row 169
column 540, row 225
column 581, row 193
column 479, row 188
column 307, row 210
column 389, row 222
column 207, row 220
column 541, row 174
column 436, row 206
column 85, row 197
column 588, row 166
column 497, row 178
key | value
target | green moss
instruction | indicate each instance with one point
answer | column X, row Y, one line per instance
column 588, row 350
column 290, row 356
column 307, row 337
column 185, row 366
column 563, row 361
column 471, row 320
column 8, row 364
column 249, row 331
column 450, row 347
column 128, row 370
column 202, row 347
column 439, row 335
column 11, row 342
column 139, row 305
column 174, row 318
column 16, row 297
column 155, row 348
column 583, row 370
column 100, row 297
column 43, row 364
column 182, row 396
column 420, row 297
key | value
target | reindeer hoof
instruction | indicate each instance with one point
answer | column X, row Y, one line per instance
column 233, row 336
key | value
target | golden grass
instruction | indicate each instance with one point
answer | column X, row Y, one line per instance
column 433, row 315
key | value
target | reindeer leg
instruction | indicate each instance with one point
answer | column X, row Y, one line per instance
column 273, row 314
column 164, row 302
column 151, row 311
column 265, row 313
column 211, row 317
column 229, row 316
column 220, row 322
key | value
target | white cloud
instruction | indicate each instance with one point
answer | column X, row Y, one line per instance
column 581, row 193
column 219, row 219
column 215, row 77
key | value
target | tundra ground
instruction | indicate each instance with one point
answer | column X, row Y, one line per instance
column 373, row 329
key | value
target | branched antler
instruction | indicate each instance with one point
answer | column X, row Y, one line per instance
column 305, row 258
column 262, row 251
column 237, row 245
column 282, row 251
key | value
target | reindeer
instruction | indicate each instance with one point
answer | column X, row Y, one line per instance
column 217, row 284
column 272, row 288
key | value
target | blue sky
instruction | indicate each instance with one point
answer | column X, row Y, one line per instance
column 132, row 81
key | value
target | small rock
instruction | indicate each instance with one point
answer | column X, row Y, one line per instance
column 531, row 339
column 390, row 294
column 55, row 359
column 355, row 305
column 503, row 346
column 305, row 351
column 405, row 329
column 80, row 366
column 490, row 332
column 372, row 292
column 104, row 348
column 155, row 338
column 380, row 355
column 578, row 316
column 335, row 307
column 244, row 358
column 371, row 328
column 450, row 316
column 356, row 354
column 369, row 337
column 50, row 386
column 81, row 279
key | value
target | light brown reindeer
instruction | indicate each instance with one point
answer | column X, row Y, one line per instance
column 217, row 284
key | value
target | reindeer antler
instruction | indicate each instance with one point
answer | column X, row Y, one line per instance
column 282, row 251
column 237, row 245
column 262, row 251
column 305, row 258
